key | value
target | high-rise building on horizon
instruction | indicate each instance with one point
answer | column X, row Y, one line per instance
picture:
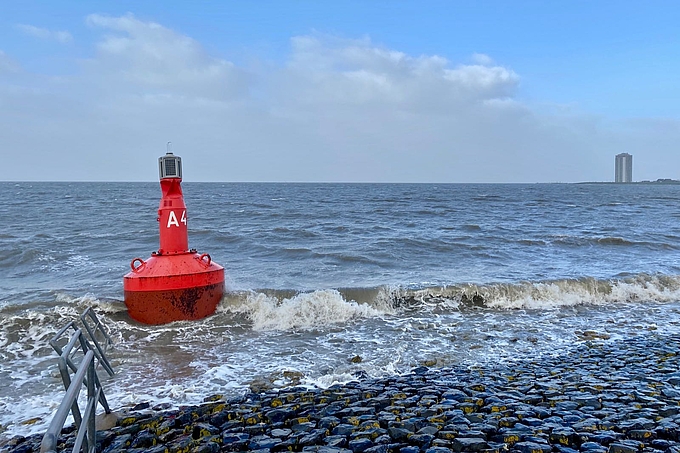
column 624, row 168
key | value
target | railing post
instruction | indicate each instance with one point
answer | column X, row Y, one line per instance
column 92, row 403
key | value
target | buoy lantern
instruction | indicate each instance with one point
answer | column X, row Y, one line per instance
column 175, row 283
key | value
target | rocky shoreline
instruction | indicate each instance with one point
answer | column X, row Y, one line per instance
column 603, row 396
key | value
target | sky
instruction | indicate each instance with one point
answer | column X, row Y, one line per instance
column 343, row 91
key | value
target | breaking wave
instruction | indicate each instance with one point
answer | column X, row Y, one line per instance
column 287, row 310
column 559, row 293
column 302, row 311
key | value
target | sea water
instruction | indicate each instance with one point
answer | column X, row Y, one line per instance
column 329, row 283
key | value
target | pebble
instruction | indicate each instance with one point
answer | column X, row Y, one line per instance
column 604, row 396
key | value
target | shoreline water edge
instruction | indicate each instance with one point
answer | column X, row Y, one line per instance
column 616, row 396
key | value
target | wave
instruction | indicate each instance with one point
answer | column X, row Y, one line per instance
column 286, row 309
column 303, row 311
column 554, row 293
column 290, row 310
column 587, row 241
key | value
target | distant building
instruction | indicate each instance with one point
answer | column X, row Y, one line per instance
column 624, row 168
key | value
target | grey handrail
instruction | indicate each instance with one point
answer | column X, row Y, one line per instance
column 92, row 332
column 66, row 354
column 49, row 442
column 85, row 373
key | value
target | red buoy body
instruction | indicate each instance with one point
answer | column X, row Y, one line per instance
column 175, row 283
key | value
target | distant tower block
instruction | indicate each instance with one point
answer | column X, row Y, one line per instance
column 624, row 168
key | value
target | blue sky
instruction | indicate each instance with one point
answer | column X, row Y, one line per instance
column 472, row 87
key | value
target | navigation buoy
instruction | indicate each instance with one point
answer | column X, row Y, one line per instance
column 175, row 283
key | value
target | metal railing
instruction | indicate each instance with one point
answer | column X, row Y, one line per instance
column 99, row 336
column 70, row 403
column 85, row 373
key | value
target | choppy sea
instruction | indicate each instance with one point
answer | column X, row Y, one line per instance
column 399, row 275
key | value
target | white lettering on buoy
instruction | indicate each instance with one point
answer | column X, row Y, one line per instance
column 172, row 219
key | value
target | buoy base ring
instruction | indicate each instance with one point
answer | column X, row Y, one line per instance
column 162, row 307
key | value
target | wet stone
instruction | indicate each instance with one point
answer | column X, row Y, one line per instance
column 119, row 443
column 281, row 432
column 336, row 441
column 201, row 430
column 329, row 422
column 209, row 447
column 641, row 434
column 428, row 430
column 383, row 439
column 591, row 446
column 469, row 444
column 181, row 444
column 156, row 449
column 303, row 427
column 262, row 442
column 343, row 430
column 399, row 434
column 409, row 450
column 255, row 430
column 360, row 445
column 532, row 447
column 377, row 449
column 421, row 440
column 144, row 439
column 235, row 438
column 636, row 424
column 279, row 415
column 563, row 449
column 313, row 438
column 661, row 444
column 618, row 447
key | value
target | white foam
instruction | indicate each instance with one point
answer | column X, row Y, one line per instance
column 590, row 291
column 303, row 311
column 30, row 414
column 328, row 380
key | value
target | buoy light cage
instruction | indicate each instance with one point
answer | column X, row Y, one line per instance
column 170, row 166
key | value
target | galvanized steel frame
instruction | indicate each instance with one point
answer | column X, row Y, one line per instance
column 84, row 374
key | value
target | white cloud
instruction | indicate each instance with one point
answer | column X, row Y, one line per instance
column 149, row 56
column 43, row 33
column 482, row 59
column 357, row 72
column 336, row 110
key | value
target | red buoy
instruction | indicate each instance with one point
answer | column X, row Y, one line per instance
column 175, row 283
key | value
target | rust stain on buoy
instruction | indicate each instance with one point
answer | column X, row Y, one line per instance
column 175, row 283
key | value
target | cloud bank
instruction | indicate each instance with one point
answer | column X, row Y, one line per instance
column 336, row 110
column 43, row 33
